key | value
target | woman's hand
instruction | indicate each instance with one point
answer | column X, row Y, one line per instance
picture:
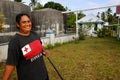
column 46, row 53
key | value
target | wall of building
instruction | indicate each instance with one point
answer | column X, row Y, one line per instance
column 48, row 18
column 42, row 19
column 45, row 41
column 10, row 9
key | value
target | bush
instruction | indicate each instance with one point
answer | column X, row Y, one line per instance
column 81, row 36
column 1, row 21
column 100, row 33
column 49, row 46
column 103, row 32
column 58, row 44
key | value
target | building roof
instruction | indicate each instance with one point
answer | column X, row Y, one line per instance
column 90, row 19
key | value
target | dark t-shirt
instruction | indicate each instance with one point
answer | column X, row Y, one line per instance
column 25, row 52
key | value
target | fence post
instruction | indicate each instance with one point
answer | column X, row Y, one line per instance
column 51, row 35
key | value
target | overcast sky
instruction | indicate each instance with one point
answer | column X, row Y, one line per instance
column 80, row 4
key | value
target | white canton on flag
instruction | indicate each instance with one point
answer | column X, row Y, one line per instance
column 26, row 49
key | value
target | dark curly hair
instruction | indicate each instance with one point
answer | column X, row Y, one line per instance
column 18, row 17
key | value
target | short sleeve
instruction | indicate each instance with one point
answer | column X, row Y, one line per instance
column 13, row 53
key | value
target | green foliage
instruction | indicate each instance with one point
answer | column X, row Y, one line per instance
column 109, row 11
column 114, row 19
column 103, row 32
column 108, row 16
column 49, row 46
column 81, row 36
column 80, row 15
column 91, row 59
column 39, row 6
column 18, row 0
column 100, row 33
column 33, row 3
column 71, row 18
column 98, row 14
column 1, row 21
column 103, row 16
column 58, row 44
column 54, row 5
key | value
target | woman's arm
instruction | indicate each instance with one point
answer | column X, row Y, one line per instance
column 8, row 70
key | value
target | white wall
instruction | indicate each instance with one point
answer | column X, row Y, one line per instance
column 3, row 52
column 45, row 41
column 58, row 39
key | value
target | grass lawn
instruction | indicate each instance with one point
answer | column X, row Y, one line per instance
column 89, row 59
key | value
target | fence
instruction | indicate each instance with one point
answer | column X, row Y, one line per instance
column 45, row 40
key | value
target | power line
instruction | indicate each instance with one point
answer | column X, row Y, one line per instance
column 88, row 9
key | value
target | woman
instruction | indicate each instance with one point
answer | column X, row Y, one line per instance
column 25, row 52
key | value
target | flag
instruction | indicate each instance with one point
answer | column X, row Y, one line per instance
column 32, row 49
column 118, row 10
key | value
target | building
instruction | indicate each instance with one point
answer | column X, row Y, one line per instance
column 9, row 9
column 48, row 18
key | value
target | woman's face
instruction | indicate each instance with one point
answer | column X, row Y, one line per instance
column 24, row 25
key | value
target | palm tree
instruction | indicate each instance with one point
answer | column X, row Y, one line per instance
column 109, row 15
column 33, row 3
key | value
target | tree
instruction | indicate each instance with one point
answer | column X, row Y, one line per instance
column 80, row 15
column 115, row 19
column 18, row 0
column 71, row 18
column 98, row 14
column 110, row 18
column 54, row 5
column 67, row 9
column 109, row 15
column 109, row 11
column 33, row 3
column 39, row 6
column 103, row 16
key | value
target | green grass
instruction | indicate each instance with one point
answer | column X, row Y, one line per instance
column 89, row 59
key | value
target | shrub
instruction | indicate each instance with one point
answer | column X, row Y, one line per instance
column 49, row 46
column 58, row 44
column 103, row 32
column 81, row 36
column 1, row 21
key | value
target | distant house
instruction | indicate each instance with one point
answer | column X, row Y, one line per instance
column 96, row 23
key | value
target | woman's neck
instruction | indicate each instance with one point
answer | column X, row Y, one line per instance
column 23, row 34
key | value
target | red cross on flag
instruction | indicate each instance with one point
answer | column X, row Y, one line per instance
column 26, row 49
column 32, row 49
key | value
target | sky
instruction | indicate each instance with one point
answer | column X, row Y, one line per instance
column 81, row 4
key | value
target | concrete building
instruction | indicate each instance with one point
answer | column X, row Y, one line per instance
column 47, row 18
